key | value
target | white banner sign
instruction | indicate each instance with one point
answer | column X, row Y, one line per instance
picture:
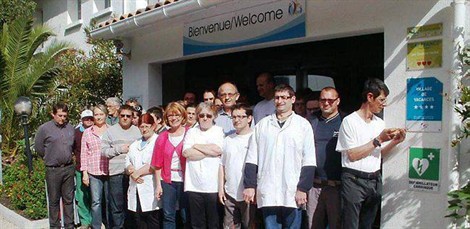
column 280, row 20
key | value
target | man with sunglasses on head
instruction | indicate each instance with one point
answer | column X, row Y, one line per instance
column 324, row 206
column 361, row 142
column 115, row 145
column 228, row 94
column 54, row 141
column 280, row 163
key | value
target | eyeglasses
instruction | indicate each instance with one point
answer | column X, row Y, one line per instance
column 330, row 101
column 382, row 100
column 208, row 99
column 126, row 116
column 87, row 119
column 209, row 116
column 283, row 97
column 239, row 116
column 224, row 95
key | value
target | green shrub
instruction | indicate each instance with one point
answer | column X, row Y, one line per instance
column 26, row 192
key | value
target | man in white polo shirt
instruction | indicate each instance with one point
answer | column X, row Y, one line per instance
column 360, row 140
column 238, row 213
column 280, row 163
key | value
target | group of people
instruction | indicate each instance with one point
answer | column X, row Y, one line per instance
column 220, row 166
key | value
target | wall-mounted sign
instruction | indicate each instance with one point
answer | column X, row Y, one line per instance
column 424, row 31
column 424, row 104
column 425, row 54
column 280, row 20
column 423, row 169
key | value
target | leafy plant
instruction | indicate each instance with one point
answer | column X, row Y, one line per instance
column 459, row 200
column 463, row 106
column 25, row 191
column 26, row 69
column 10, row 9
column 88, row 78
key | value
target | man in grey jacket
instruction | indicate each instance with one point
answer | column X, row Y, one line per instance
column 115, row 145
column 54, row 141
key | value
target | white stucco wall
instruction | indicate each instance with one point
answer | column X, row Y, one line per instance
column 401, row 208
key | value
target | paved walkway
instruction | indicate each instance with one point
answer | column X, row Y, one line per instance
column 5, row 224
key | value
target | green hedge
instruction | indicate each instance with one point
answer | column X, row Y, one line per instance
column 26, row 192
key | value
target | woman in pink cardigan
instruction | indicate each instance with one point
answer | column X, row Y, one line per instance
column 169, row 165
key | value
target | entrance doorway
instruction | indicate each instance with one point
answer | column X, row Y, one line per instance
column 348, row 61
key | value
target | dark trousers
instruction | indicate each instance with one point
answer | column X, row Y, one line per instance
column 238, row 214
column 328, row 209
column 60, row 183
column 146, row 220
column 360, row 199
column 204, row 210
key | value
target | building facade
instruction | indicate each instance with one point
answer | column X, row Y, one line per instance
column 170, row 47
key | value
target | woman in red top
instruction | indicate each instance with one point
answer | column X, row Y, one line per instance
column 169, row 165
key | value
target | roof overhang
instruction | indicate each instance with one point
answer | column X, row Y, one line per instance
column 128, row 23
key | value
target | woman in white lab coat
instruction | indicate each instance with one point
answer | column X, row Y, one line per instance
column 141, row 193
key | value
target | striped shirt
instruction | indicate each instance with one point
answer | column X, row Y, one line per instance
column 92, row 160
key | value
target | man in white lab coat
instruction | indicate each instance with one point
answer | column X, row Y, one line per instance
column 280, row 163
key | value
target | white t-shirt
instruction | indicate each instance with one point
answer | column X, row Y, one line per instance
column 355, row 132
column 262, row 109
column 280, row 153
column 233, row 160
column 176, row 170
column 202, row 175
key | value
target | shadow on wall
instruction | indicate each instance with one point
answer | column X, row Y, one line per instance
column 397, row 197
column 396, row 203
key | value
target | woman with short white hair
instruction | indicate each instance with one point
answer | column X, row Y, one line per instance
column 202, row 149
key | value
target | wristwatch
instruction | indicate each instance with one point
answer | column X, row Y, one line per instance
column 376, row 142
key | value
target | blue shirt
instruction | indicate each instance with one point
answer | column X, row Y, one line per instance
column 224, row 120
column 326, row 136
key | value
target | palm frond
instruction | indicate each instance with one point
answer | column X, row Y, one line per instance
column 15, row 51
column 38, row 36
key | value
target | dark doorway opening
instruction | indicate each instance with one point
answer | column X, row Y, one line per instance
column 349, row 61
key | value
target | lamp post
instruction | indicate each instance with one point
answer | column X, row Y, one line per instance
column 23, row 108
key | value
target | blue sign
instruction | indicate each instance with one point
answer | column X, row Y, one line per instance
column 424, row 99
column 275, row 21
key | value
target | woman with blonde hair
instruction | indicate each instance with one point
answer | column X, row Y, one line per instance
column 94, row 165
column 169, row 164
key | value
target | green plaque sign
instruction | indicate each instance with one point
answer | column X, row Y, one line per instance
column 424, row 167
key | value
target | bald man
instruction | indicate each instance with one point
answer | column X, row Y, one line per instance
column 228, row 94
column 265, row 86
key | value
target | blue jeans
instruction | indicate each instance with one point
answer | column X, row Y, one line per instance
column 172, row 194
column 116, row 205
column 98, row 184
column 282, row 217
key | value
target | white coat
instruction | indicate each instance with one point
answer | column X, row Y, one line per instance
column 280, row 154
column 139, row 156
